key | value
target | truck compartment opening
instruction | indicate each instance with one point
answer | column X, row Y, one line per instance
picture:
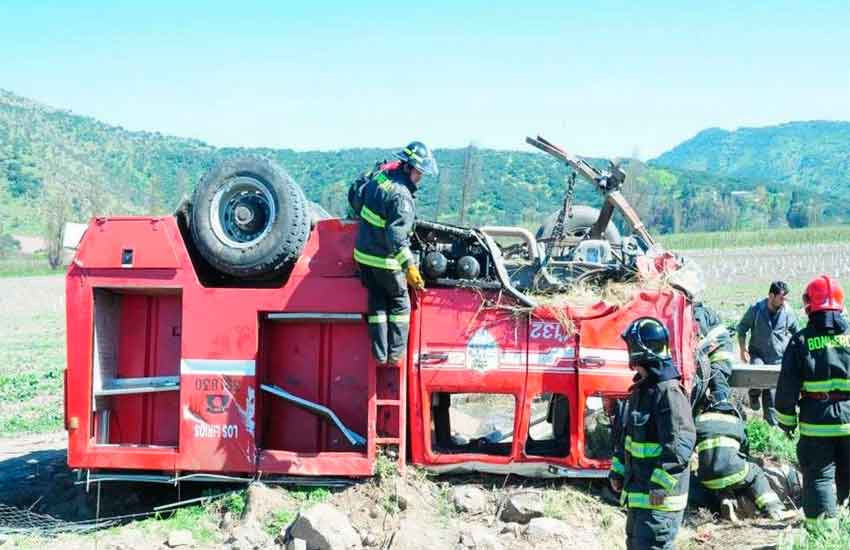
column 323, row 360
column 136, row 366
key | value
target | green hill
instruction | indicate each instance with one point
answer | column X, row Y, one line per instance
column 812, row 156
column 56, row 165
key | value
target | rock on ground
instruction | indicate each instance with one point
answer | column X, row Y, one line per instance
column 248, row 536
column 409, row 497
column 324, row 527
column 549, row 532
column 262, row 501
column 480, row 538
column 522, row 507
column 546, row 528
column 469, row 499
column 413, row 534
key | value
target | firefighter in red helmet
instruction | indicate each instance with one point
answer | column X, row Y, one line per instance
column 813, row 396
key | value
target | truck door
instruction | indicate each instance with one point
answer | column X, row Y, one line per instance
column 550, row 417
column 467, row 387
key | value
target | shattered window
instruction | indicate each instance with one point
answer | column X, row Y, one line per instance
column 600, row 421
column 549, row 428
column 472, row 423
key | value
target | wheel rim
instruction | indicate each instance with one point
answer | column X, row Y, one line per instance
column 242, row 212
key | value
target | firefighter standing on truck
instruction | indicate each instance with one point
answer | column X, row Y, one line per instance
column 814, row 387
column 384, row 200
column 655, row 443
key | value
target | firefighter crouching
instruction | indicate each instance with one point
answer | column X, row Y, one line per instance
column 813, row 395
column 384, row 201
column 650, row 464
column 718, row 346
column 724, row 469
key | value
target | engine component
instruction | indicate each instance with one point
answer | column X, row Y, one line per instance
column 435, row 265
column 468, row 267
column 594, row 251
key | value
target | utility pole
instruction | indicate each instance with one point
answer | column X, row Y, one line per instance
column 471, row 170
column 443, row 185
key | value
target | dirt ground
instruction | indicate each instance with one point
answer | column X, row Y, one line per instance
column 411, row 514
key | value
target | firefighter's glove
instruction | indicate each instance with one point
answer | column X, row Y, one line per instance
column 789, row 430
column 656, row 497
column 616, row 482
column 414, row 278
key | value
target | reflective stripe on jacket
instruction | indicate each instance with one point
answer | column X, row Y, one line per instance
column 815, row 363
column 655, row 445
column 386, row 209
column 722, row 448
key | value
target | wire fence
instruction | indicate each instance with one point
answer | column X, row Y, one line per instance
column 14, row 521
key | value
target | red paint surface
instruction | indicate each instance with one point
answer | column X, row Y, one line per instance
column 166, row 315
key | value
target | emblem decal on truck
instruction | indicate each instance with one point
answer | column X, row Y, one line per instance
column 482, row 351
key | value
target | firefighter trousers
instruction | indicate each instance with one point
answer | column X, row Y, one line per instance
column 652, row 529
column 388, row 313
column 755, row 486
column 825, row 464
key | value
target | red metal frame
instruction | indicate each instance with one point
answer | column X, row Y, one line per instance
column 146, row 314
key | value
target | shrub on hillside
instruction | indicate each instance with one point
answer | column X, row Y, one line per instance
column 8, row 245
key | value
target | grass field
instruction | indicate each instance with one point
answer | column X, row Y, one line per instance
column 32, row 354
column 736, row 277
column 23, row 265
column 764, row 237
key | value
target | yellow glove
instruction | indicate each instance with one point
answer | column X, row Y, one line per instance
column 414, row 278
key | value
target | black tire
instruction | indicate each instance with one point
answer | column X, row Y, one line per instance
column 583, row 218
column 249, row 218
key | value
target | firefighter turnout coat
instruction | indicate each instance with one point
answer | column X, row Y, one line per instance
column 656, row 442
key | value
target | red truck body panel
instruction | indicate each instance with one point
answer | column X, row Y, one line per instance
column 167, row 374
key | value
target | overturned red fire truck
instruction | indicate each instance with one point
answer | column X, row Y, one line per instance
column 230, row 340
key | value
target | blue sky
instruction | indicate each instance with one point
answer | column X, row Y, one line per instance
column 602, row 78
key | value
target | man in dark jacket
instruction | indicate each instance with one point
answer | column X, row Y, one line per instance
column 770, row 324
column 814, row 387
column 655, row 443
column 383, row 199
column 717, row 345
column 724, row 469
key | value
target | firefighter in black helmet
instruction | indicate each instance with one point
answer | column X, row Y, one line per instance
column 650, row 463
column 384, row 201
